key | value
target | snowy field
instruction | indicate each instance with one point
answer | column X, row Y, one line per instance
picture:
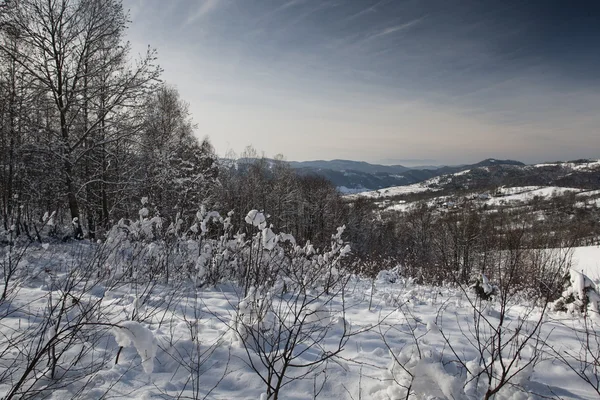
column 587, row 261
column 394, row 191
column 528, row 193
column 377, row 339
column 504, row 197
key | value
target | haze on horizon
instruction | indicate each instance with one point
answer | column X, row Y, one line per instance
column 445, row 82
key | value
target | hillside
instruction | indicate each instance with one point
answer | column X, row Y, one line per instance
column 486, row 176
column 359, row 176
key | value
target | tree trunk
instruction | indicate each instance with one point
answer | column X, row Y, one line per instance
column 73, row 205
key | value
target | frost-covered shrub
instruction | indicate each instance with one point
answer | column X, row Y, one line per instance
column 209, row 252
column 254, row 316
column 470, row 369
column 580, row 294
column 135, row 334
column 483, row 288
column 388, row 276
column 293, row 310
column 424, row 374
column 146, row 228
column 271, row 259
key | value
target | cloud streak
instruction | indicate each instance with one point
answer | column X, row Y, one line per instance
column 396, row 28
column 203, row 9
column 345, row 72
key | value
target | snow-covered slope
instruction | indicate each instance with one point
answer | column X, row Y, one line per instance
column 397, row 190
column 526, row 193
column 538, row 180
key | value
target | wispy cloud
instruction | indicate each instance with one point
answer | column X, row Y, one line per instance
column 368, row 10
column 205, row 8
column 395, row 28
column 290, row 3
column 480, row 73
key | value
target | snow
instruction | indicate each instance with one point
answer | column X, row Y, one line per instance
column 347, row 190
column 581, row 295
column 269, row 239
column 256, row 218
column 525, row 193
column 133, row 333
column 466, row 171
column 345, row 250
column 587, row 261
column 485, row 284
column 546, row 165
column 183, row 331
column 401, row 206
column 144, row 212
column 589, row 193
column 591, row 165
column 396, row 191
column 504, row 196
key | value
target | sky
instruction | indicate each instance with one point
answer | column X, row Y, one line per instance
column 388, row 81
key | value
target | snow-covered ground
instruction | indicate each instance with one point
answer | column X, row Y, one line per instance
column 346, row 190
column 397, row 190
column 504, row 196
column 588, row 193
column 183, row 344
column 587, row 260
column 592, row 164
column 527, row 193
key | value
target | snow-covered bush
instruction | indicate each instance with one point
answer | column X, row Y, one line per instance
column 288, row 307
column 288, row 336
column 254, row 316
column 580, row 294
column 209, row 252
column 388, row 276
column 483, row 288
column 133, row 333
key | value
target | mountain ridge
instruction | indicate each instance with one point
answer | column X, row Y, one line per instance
column 360, row 176
column 581, row 174
column 355, row 176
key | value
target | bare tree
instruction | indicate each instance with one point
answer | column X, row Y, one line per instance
column 507, row 342
column 74, row 52
column 285, row 336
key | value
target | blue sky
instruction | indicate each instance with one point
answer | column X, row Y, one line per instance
column 445, row 81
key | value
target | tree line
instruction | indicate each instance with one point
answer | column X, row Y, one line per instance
column 87, row 130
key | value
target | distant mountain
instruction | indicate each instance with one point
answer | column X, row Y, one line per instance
column 353, row 181
column 356, row 176
column 584, row 174
column 490, row 174
column 347, row 165
column 489, row 162
column 359, row 176
column 427, row 166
